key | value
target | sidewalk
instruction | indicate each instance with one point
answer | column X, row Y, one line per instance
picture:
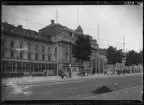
column 50, row 79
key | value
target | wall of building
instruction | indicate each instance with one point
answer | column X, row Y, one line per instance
column 63, row 60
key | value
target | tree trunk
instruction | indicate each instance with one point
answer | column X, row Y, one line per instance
column 113, row 69
column 132, row 69
column 81, row 61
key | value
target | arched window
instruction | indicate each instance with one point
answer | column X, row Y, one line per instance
column 12, row 54
column 56, row 50
column 21, row 44
column 36, row 56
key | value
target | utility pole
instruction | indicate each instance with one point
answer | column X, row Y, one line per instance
column 78, row 16
column 98, row 52
column 124, row 50
column 108, row 43
column 57, row 40
column 71, row 52
column 123, row 45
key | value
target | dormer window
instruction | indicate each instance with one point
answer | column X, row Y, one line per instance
column 28, row 34
column 12, row 30
column 72, row 35
column 20, row 32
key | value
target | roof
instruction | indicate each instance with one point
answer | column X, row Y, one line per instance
column 57, row 24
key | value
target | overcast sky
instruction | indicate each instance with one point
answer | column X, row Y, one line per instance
column 115, row 22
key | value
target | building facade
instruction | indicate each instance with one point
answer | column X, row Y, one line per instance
column 39, row 49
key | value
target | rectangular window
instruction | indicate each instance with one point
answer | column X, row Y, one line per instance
column 36, row 48
column 3, row 53
column 66, row 57
column 12, row 44
column 29, row 55
column 12, row 30
column 21, row 55
column 21, row 44
column 43, row 57
column 49, row 58
column 12, row 54
column 29, row 47
column 66, row 51
column 48, row 49
column 70, row 33
column 36, row 56
column 56, row 50
column 42, row 48
column 3, row 42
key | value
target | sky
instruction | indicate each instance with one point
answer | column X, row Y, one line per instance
column 116, row 22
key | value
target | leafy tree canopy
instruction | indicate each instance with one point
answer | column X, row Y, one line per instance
column 132, row 58
column 82, row 48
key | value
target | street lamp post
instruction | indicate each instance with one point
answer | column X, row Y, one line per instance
column 57, row 32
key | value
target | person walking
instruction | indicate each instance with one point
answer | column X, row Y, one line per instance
column 44, row 73
column 69, row 74
column 93, row 71
column 61, row 73
column 84, row 72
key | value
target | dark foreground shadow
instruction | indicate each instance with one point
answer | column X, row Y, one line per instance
column 101, row 90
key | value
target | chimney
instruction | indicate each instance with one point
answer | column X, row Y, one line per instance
column 52, row 21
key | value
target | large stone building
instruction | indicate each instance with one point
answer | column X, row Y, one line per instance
column 42, row 48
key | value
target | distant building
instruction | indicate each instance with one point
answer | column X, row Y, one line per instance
column 42, row 51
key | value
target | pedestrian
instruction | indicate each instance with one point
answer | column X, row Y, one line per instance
column 93, row 72
column 69, row 73
column 44, row 73
column 47, row 74
column 84, row 72
column 62, row 74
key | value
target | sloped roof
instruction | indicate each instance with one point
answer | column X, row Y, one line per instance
column 65, row 28
column 51, row 25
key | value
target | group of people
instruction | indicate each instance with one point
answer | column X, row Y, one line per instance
column 63, row 74
column 84, row 73
column 118, row 72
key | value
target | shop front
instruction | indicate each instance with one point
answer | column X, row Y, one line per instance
column 25, row 67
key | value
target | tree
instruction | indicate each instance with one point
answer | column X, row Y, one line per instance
column 82, row 49
column 140, row 57
column 114, row 56
column 132, row 58
column 119, row 55
column 110, row 54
